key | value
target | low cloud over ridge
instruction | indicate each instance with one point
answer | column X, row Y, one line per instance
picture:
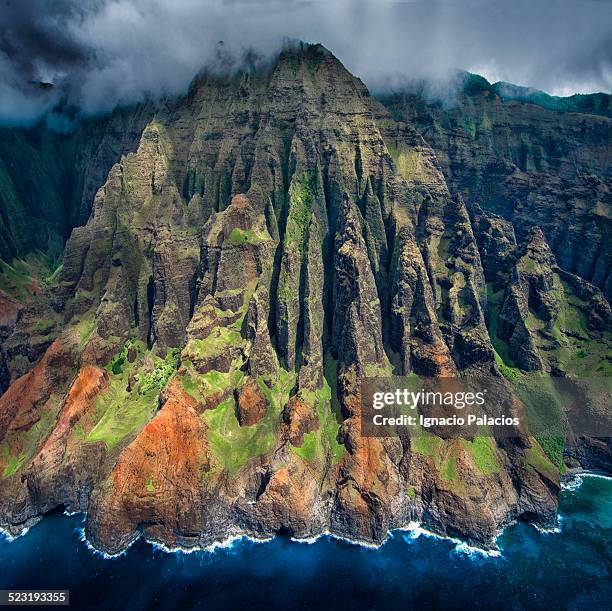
column 100, row 53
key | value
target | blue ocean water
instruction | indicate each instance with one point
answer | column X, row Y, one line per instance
column 571, row 569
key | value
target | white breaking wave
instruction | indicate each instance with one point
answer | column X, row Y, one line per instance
column 576, row 480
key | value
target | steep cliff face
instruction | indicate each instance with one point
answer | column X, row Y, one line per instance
column 48, row 179
column 194, row 369
column 528, row 161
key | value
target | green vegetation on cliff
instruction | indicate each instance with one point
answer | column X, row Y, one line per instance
column 202, row 385
column 234, row 445
column 322, row 443
column 407, row 160
column 536, row 458
column 536, row 389
column 216, row 343
column 444, row 452
column 18, row 447
column 123, row 412
column 300, row 208
column 24, row 278
column 483, row 451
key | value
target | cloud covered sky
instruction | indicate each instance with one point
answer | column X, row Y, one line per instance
column 100, row 53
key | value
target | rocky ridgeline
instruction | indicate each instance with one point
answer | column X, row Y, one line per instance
column 530, row 164
column 253, row 250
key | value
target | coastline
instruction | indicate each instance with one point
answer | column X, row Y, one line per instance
column 546, row 571
column 571, row 481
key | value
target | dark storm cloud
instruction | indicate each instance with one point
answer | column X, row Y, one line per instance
column 36, row 29
column 99, row 53
column 36, row 47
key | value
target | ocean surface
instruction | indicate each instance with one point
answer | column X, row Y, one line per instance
column 570, row 569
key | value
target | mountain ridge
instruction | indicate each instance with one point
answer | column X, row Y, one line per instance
column 193, row 369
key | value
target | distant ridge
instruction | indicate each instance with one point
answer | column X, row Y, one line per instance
column 587, row 103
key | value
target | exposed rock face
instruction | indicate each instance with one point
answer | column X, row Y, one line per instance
column 24, row 401
column 9, row 312
column 49, row 180
column 299, row 419
column 251, row 407
column 530, row 164
column 258, row 248
column 155, row 483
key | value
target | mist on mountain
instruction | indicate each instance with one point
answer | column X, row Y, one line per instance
column 98, row 54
